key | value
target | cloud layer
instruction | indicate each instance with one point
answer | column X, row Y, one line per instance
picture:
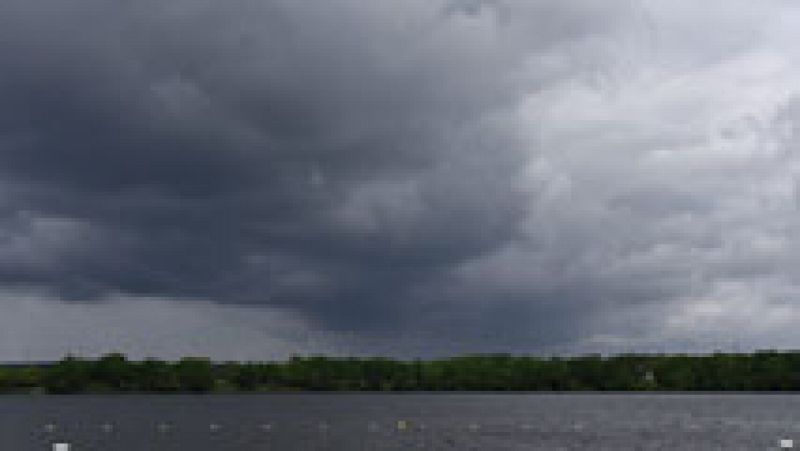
column 447, row 176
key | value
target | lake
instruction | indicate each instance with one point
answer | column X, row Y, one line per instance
column 354, row 421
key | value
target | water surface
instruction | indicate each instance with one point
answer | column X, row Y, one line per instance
column 337, row 421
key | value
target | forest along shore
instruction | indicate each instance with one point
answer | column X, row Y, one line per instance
column 759, row 371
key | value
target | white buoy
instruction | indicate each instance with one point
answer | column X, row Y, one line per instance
column 60, row 446
column 786, row 443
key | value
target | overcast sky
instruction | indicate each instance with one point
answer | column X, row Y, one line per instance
column 249, row 179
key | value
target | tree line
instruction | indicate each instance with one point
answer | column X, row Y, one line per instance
column 759, row 371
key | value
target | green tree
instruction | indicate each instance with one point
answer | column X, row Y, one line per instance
column 156, row 375
column 195, row 374
column 113, row 371
column 70, row 375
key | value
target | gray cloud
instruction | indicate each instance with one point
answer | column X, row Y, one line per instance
column 486, row 175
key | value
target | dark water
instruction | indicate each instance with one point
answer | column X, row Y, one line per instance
column 400, row 421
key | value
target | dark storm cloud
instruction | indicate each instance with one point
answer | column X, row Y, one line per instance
column 326, row 157
column 492, row 174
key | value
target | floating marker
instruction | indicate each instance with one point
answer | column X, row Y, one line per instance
column 60, row 446
column 107, row 427
column 213, row 427
column 49, row 427
column 402, row 425
column 786, row 443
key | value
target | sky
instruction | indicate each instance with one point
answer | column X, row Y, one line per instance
column 252, row 179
